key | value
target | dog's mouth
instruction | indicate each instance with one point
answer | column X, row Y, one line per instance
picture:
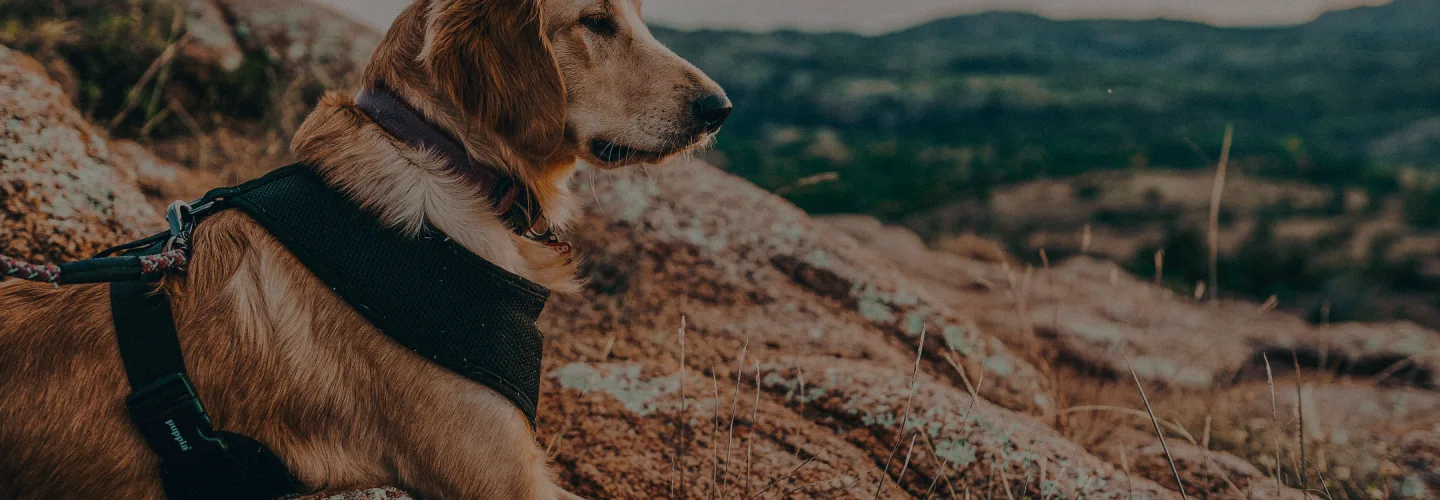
column 616, row 153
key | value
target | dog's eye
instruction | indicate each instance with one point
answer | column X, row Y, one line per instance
column 599, row 23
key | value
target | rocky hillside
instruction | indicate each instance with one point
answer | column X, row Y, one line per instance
column 730, row 345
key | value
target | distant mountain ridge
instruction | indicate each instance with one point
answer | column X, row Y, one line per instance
column 1409, row 16
column 968, row 102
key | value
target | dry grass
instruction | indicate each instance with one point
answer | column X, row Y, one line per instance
column 1217, row 190
column 1244, row 419
column 1179, row 483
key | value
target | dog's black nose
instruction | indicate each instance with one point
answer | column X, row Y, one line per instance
column 712, row 110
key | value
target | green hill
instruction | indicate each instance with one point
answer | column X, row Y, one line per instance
column 918, row 118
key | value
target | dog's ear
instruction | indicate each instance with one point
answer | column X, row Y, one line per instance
column 494, row 60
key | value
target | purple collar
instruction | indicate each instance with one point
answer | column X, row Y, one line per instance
column 515, row 204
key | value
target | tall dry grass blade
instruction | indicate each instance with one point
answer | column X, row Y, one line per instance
column 1217, row 190
column 1323, row 484
column 1270, row 305
column 1005, row 483
column 176, row 23
column 1160, row 267
column 1300, row 409
column 734, row 406
column 1275, row 419
column 1125, row 466
column 555, row 440
column 1050, row 282
column 155, row 120
column 1210, row 465
column 990, row 488
column 905, row 418
column 901, row 476
column 934, row 452
column 970, row 388
column 680, row 444
column 846, row 487
column 201, row 142
column 1405, row 362
column 974, row 396
column 1174, row 426
column 1205, row 435
column 133, row 98
column 714, row 438
column 800, row 380
column 754, row 429
column 935, row 481
column 1043, row 475
column 803, row 487
column 782, row 479
column 1179, row 483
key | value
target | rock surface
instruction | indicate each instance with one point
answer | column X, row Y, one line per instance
column 65, row 191
column 1092, row 311
column 829, row 331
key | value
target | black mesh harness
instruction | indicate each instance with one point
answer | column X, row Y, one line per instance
column 428, row 293
column 425, row 292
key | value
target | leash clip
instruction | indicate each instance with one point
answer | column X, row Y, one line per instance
column 181, row 218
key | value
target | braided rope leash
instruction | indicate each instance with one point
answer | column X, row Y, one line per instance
column 54, row 274
column 14, row 268
column 164, row 261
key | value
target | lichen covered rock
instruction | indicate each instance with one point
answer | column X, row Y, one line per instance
column 64, row 192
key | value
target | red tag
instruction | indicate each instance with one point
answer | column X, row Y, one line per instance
column 559, row 246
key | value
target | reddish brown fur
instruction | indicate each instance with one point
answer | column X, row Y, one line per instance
column 274, row 353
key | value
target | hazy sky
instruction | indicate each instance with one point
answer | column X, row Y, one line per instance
column 883, row 15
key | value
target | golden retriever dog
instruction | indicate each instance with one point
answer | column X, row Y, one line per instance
column 529, row 87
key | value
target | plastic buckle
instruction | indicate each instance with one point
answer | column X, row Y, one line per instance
column 170, row 416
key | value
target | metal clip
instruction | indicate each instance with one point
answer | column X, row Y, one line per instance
column 181, row 218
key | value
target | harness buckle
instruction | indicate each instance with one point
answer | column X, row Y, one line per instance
column 172, row 420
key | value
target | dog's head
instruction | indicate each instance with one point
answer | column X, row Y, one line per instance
column 553, row 79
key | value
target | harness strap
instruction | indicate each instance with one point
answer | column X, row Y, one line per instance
column 196, row 461
column 149, row 344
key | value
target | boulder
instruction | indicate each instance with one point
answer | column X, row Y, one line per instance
column 65, row 191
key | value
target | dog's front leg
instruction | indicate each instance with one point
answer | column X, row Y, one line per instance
column 464, row 441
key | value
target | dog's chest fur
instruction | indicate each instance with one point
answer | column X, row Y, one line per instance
column 408, row 188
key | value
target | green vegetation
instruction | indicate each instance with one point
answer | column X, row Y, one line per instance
column 919, row 118
column 926, row 126
column 104, row 48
